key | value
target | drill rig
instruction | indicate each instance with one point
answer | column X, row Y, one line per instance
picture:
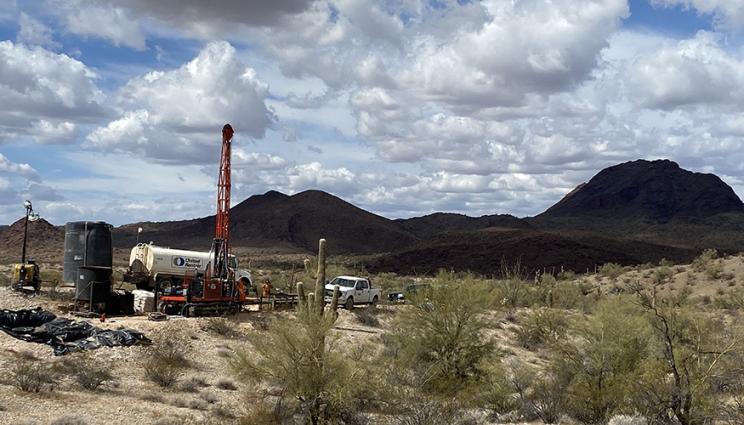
column 215, row 291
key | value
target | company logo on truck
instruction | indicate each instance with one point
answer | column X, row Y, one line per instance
column 186, row 262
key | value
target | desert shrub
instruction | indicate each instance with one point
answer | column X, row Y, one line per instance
column 68, row 420
column 209, row 398
column 731, row 300
column 541, row 327
column 662, row 275
column 165, row 360
column 568, row 295
column 691, row 351
column 192, row 385
column 367, row 316
column 512, row 290
column 29, row 373
column 547, row 279
column 601, row 362
column 611, row 270
column 498, row 393
column 198, row 404
column 220, row 326
column 224, row 384
column 429, row 412
column 152, row 397
column 301, row 356
column 442, row 337
column 265, row 413
column 522, row 390
column 566, row 275
column 390, row 282
column 222, row 412
column 706, row 262
column 88, row 372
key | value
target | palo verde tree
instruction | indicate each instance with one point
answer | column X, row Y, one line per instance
column 692, row 353
column 298, row 356
column 441, row 337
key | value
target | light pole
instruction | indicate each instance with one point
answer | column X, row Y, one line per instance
column 30, row 216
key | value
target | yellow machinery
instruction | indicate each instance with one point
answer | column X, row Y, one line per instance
column 25, row 275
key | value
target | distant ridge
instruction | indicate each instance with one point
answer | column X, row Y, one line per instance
column 438, row 223
column 45, row 241
column 655, row 191
column 275, row 218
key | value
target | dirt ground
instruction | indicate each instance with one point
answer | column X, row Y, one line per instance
column 134, row 400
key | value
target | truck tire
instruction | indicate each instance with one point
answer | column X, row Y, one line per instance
column 349, row 304
column 374, row 302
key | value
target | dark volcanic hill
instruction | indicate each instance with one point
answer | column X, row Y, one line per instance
column 277, row 219
column 45, row 241
column 485, row 251
column 438, row 223
column 653, row 201
column 654, row 191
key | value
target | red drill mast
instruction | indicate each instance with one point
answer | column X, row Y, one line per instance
column 216, row 292
column 221, row 244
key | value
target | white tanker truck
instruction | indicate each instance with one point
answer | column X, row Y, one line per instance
column 150, row 265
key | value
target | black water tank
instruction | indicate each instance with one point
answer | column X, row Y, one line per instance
column 93, row 284
column 88, row 259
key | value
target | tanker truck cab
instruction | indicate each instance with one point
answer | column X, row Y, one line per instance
column 241, row 275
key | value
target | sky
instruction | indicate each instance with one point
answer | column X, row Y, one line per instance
column 112, row 109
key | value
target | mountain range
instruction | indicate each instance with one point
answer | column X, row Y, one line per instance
column 635, row 212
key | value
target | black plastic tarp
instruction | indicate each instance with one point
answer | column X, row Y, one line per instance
column 64, row 335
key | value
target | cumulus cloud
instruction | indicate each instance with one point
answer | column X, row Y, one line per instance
column 129, row 22
column 33, row 32
column 176, row 115
column 100, row 19
column 43, row 92
column 20, row 181
column 728, row 14
column 692, row 71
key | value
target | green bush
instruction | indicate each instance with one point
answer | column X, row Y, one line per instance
column 611, row 270
column 600, row 363
column 443, row 338
column 707, row 262
column 541, row 327
column 166, row 360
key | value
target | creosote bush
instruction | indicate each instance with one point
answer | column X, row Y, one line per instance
column 367, row 316
column 30, row 374
column 541, row 327
column 220, row 326
column 87, row 372
column 611, row 270
column 166, row 359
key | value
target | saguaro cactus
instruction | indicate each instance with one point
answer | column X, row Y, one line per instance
column 301, row 295
column 321, row 277
column 334, row 300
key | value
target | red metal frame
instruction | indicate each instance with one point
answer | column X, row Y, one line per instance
column 219, row 283
column 222, row 229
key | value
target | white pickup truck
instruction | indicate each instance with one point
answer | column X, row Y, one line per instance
column 353, row 290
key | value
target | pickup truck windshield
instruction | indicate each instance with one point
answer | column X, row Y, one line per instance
column 343, row 282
